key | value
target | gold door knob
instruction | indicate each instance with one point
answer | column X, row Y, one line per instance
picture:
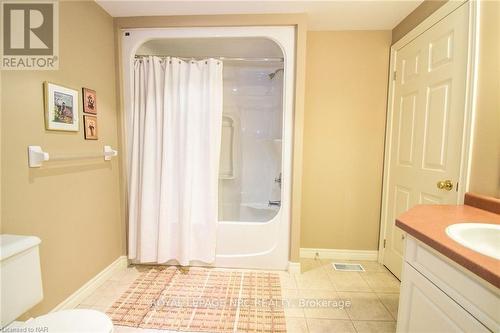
column 445, row 185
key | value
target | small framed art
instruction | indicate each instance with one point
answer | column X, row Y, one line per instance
column 89, row 101
column 61, row 108
column 90, row 124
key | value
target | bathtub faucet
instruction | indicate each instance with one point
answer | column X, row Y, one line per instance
column 274, row 203
column 278, row 180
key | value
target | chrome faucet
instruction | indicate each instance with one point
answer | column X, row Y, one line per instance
column 275, row 203
column 278, row 180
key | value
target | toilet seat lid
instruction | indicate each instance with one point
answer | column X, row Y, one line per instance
column 76, row 320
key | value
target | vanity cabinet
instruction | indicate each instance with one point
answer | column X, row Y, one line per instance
column 439, row 296
column 428, row 309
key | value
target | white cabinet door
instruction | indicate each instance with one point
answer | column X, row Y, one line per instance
column 424, row 308
column 426, row 125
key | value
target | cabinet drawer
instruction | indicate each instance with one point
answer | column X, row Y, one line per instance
column 476, row 296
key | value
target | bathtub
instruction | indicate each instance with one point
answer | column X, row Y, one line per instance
column 256, row 240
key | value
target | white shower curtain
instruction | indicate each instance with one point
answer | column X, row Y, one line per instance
column 174, row 160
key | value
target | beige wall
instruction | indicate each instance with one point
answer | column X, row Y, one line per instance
column 420, row 13
column 485, row 164
column 72, row 206
column 297, row 20
column 346, row 94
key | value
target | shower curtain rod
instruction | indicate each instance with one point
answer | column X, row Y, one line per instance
column 219, row 58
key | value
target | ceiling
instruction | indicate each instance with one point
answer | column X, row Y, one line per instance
column 322, row 15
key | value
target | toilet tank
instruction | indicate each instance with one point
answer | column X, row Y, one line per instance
column 21, row 278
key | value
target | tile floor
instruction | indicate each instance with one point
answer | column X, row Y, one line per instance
column 373, row 295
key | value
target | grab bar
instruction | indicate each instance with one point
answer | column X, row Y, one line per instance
column 36, row 156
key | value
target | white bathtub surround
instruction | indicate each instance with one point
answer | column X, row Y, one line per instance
column 240, row 244
column 174, row 159
column 256, row 100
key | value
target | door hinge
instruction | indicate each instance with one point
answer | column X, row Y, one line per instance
column 385, row 241
column 457, row 187
column 394, row 75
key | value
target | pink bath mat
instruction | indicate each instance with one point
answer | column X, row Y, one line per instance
column 202, row 300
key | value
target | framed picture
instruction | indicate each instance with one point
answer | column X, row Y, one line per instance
column 61, row 108
column 89, row 101
column 90, row 124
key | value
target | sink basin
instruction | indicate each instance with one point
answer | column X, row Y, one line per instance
column 480, row 237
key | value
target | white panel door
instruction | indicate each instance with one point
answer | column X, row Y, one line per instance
column 427, row 125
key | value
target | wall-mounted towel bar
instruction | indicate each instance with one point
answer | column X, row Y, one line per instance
column 36, row 156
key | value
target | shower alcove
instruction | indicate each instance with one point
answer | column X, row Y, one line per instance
column 256, row 144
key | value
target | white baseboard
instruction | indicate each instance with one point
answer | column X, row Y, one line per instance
column 339, row 254
column 294, row 267
column 88, row 288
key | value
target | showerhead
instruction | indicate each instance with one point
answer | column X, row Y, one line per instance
column 273, row 74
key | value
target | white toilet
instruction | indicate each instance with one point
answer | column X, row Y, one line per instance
column 21, row 289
